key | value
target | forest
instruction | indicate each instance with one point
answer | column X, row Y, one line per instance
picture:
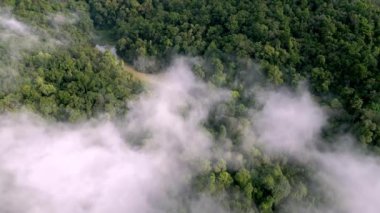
column 332, row 47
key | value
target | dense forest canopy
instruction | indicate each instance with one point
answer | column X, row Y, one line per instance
column 333, row 46
column 63, row 77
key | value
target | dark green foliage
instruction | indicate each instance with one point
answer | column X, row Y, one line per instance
column 262, row 184
column 76, row 84
column 335, row 45
column 332, row 44
column 71, row 80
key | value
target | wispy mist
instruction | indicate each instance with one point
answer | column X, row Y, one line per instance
column 288, row 122
column 291, row 123
column 15, row 38
column 145, row 161
column 101, row 167
column 18, row 39
column 15, row 35
column 59, row 19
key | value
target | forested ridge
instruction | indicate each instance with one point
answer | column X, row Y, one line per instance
column 67, row 81
column 333, row 46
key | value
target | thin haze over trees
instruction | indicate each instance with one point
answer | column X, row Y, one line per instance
column 230, row 127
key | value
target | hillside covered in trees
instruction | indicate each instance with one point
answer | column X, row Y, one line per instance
column 61, row 75
column 332, row 47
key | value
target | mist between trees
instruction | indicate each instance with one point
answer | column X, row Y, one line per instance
column 260, row 116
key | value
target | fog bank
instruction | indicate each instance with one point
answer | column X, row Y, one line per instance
column 99, row 167
column 291, row 123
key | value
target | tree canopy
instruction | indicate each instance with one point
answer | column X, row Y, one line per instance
column 333, row 45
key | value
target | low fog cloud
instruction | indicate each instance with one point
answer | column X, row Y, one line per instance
column 145, row 164
column 100, row 167
column 354, row 178
column 17, row 39
column 291, row 123
column 104, row 48
column 288, row 122
column 59, row 19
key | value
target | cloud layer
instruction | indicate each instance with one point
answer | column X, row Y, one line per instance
column 100, row 167
column 288, row 122
column 145, row 163
column 17, row 39
column 291, row 123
